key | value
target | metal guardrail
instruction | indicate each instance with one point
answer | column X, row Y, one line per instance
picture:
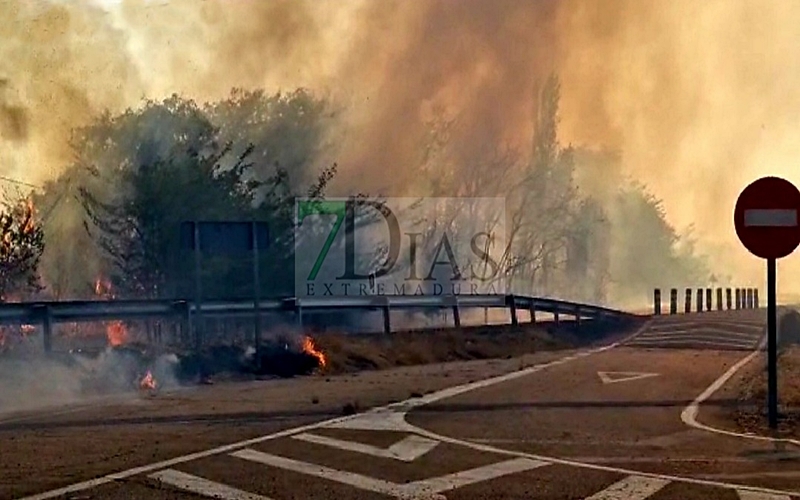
column 78, row 311
column 48, row 313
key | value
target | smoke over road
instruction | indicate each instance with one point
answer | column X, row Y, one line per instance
column 700, row 98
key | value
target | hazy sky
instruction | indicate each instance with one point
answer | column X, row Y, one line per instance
column 700, row 97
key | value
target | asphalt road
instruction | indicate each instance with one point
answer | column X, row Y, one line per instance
column 608, row 423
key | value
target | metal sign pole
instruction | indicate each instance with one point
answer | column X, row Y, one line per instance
column 198, row 289
column 772, row 346
column 256, row 295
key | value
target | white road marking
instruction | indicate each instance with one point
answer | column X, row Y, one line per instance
column 598, row 467
column 770, row 217
column 435, row 485
column 399, row 410
column 428, row 488
column 200, row 486
column 614, row 377
column 645, row 342
column 407, row 450
column 631, row 488
column 349, row 478
column 702, row 332
column 689, row 414
column 749, row 495
column 688, row 325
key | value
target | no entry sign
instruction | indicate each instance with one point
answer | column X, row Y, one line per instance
column 766, row 217
column 766, row 221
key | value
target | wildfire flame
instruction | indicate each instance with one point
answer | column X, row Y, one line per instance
column 148, row 382
column 116, row 331
column 29, row 225
column 309, row 347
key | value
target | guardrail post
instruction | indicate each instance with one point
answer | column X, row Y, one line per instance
column 47, row 327
column 185, row 312
column 699, row 300
column 657, row 301
column 512, row 307
column 673, row 301
column 387, row 324
column 709, row 302
column 719, row 299
column 688, row 305
column 533, row 311
column 729, row 298
column 299, row 315
column 738, row 298
column 755, row 298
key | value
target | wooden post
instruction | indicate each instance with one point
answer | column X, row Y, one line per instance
column 755, row 299
column 673, row 301
column 729, row 298
column 709, row 302
column 699, row 300
column 657, row 301
column 688, row 305
column 719, row 299
column 738, row 298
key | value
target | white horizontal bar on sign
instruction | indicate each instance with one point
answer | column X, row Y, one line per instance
column 770, row 218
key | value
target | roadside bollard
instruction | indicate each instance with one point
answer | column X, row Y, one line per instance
column 729, row 298
column 688, row 305
column 719, row 299
column 709, row 302
column 699, row 300
column 657, row 301
column 738, row 298
column 673, row 301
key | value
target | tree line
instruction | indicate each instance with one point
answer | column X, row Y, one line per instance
column 115, row 211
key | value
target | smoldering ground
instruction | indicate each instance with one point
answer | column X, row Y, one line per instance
column 31, row 380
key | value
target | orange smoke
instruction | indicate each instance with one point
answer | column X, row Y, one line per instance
column 309, row 347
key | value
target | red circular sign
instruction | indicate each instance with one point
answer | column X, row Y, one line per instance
column 767, row 217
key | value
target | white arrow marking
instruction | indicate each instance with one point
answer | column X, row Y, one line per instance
column 407, row 450
column 614, row 377
column 770, row 218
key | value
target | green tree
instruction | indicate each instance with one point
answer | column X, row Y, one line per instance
column 168, row 162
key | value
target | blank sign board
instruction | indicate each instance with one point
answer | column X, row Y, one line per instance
column 225, row 237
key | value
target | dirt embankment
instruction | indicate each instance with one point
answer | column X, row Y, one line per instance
column 349, row 353
column 749, row 387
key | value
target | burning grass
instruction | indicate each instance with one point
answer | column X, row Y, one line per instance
column 138, row 368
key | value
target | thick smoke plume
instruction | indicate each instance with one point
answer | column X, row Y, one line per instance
column 699, row 98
